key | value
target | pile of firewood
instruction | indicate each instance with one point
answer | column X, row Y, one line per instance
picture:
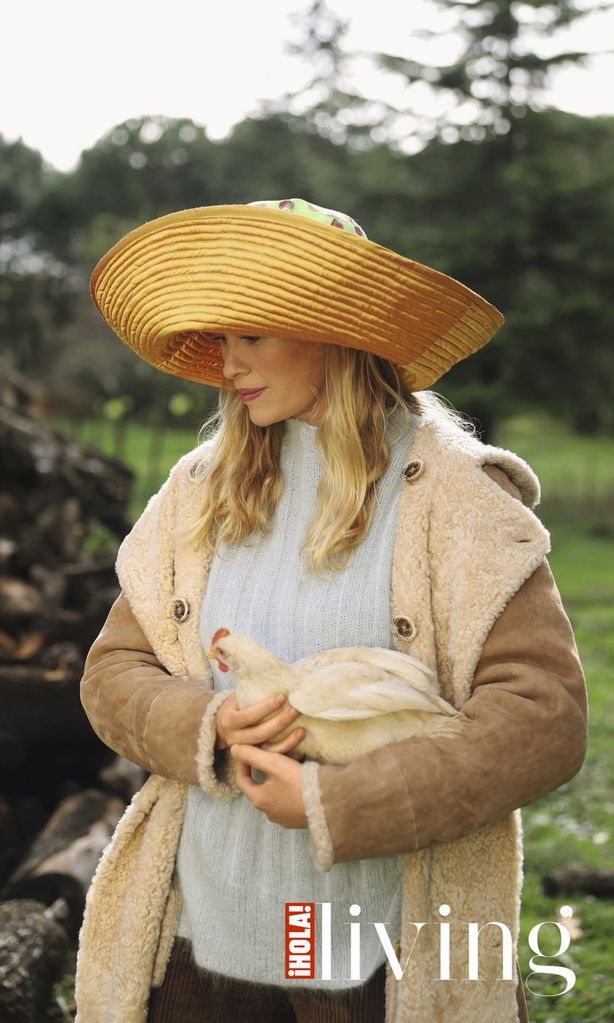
column 63, row 511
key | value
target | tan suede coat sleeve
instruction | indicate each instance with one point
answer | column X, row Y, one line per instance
column 136, row 707
column 524, row 735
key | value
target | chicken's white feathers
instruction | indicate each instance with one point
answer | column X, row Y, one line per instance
column 404, row 665
column 323, row 694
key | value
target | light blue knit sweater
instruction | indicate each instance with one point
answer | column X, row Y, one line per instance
column 235, row 868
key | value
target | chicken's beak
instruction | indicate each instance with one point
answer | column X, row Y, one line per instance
column 213, row 656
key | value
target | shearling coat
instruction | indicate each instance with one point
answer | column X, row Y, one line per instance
column 472, row 595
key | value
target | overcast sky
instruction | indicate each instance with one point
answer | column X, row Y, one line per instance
column 71, row 69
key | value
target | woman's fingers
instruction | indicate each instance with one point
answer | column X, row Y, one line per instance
column 248, row 727
column 268, row 730
column 279, row 796
column 287, row 745
column 252, row 715
column 230, row 719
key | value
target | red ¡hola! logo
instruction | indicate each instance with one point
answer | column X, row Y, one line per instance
column 300, row 940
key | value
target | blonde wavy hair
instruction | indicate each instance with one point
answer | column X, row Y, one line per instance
column 244, row 482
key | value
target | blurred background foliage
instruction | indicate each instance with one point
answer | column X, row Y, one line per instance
column 513, row 199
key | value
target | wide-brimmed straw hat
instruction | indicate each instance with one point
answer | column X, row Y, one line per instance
column 256, row 269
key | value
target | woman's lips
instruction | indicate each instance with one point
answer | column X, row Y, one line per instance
column 248, row 395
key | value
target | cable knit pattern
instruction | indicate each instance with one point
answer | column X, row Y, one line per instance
column 235, row 868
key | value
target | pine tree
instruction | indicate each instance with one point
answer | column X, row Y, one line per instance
column 498, row 73
column 327, row 104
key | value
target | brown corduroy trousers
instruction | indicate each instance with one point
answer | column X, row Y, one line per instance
column 189, row 994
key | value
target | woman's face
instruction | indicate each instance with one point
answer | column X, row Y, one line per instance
column 287, row 371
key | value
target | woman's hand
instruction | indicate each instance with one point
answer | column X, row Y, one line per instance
column 279, row 795
column 249, row 727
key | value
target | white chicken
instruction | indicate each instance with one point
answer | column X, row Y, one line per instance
column 351, row 699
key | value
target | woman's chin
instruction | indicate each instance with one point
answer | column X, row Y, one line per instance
column 260, row 417
column 269, row 416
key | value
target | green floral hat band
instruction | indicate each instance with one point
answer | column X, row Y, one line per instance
column 319, row 213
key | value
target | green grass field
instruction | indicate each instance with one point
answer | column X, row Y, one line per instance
column 575, row 823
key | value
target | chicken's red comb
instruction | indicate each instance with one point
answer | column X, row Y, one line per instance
column 219, row 634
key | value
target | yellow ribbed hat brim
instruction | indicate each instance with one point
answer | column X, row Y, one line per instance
column 255, row 270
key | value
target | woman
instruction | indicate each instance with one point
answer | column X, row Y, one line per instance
column 338, row 504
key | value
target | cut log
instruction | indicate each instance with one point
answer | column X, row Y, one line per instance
column 65, row 845
column 37, row 705
column 102, row 484
column 63, row 857
column 577, row 878
column 20, row 648
column 33, row 947
column 123, row 778
column 18, row 599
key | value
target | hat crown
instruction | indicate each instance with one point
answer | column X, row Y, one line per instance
column 309, row 209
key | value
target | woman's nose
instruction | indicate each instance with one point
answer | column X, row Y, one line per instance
column 233, row 363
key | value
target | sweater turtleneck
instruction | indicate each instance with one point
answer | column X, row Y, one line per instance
column 236, row 869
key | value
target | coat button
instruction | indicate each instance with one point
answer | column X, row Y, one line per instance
column 180, row 609
column 413, row 470
column 397, row 949
column 404, row 629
